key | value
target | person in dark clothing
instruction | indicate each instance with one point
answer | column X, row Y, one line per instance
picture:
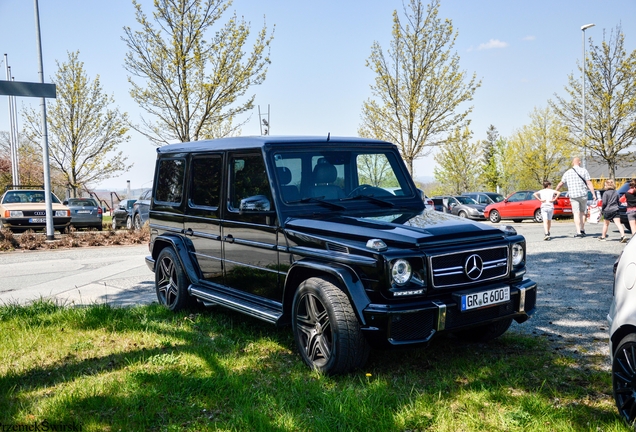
column 630, row 199
column 610, row 210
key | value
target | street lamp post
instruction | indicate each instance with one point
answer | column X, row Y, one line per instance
column 583, row 28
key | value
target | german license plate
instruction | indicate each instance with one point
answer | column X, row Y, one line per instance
column 485, row 298
column 37, row 220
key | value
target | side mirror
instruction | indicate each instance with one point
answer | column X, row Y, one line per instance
column 65, row 202
column 256, row 203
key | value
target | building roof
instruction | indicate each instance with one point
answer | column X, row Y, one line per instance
column 598, row 169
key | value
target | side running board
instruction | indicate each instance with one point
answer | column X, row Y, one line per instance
column 270, row 313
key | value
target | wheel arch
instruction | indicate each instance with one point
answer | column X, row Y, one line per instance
column 181, row 247
column 342, row 276
column 619, row 334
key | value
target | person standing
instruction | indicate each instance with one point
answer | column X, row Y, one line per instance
column 610, row 210
column 630, row 199
column 578, row 182
column 547, row 196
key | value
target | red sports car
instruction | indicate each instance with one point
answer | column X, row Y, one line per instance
column 523, row 205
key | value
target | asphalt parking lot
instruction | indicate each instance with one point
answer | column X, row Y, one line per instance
column 575, row 282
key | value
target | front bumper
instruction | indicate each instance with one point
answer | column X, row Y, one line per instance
column 416, row 324
column 59, row 223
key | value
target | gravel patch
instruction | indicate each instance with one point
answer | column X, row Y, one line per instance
column 575, row 281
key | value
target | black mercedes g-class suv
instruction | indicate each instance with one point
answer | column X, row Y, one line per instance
column 331, row 236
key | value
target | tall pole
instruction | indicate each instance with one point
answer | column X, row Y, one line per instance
column 583, row 28
column 50, row 228
column 12, row 132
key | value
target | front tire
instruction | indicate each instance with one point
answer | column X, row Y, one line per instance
column 114, row 224
column 538, row 217
column 129, row 224
column 486, row 332
column 462, row 214
column 624, row 378
column 171, row 282
column 494, row 216
column 326, row 329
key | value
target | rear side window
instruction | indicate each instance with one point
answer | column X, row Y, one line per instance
column 170, row 181
column 206, row 181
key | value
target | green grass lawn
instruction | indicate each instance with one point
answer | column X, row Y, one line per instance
column 145, row 368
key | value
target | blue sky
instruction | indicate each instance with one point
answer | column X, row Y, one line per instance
column 521, row 50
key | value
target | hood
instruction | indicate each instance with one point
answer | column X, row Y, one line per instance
column 33, row 206
column 395, row 229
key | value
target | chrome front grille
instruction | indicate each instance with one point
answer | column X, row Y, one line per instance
column 453, row 269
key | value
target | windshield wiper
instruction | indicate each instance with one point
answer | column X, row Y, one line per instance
column 371, row 198
column 319, row 200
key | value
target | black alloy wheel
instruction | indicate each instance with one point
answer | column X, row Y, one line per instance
column 624, row 378
column 494, row 216
column 326, row 329
column 171, row 283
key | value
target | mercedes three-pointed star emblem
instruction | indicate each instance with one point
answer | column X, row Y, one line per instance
column 473, row 267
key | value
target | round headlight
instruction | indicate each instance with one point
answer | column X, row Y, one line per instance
column 517, row 254
column 401, row 271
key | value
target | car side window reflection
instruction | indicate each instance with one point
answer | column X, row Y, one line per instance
column 249, row 183
column 206, row 181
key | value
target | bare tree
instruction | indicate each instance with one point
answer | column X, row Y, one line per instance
column 610, row 76
column 193, row 77
column 419, row 86
column 84, row 133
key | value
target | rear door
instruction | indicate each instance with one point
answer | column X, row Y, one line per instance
column 203, row 221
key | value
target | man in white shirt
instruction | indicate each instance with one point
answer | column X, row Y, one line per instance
column 547, row 196
column 578, row 181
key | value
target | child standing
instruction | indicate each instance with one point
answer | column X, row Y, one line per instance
column 610, row 210
column 547, row 196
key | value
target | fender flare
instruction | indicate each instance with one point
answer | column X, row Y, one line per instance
column 182, row 247
column 346, row 277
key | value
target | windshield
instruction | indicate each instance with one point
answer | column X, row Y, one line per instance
column 22, row 196
column 82, row 202
column 340, row 175
column 496, row 197
column 465, row 200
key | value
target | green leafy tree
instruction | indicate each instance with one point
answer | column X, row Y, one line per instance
column 83, row 133
column 459, row 163
column 491, row 175
column 193, row 76
column 539, row 151
column 610, row 106
column 418, row 86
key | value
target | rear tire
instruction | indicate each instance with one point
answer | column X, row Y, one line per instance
column 129, row 224
column 494, row 216
column 326, row 329
column 114, row 224
column 171, row 283
column 538, row 217
column 486, row 332
column 137, row 222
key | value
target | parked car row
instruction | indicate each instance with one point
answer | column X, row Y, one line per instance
column 492, row 206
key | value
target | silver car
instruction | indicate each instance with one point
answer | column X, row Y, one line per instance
column 85, row 213
column 622, row 333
